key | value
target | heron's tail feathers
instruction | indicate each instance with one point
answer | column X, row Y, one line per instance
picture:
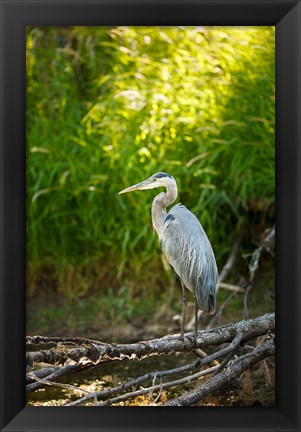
column 206, row 298
column 211, row 302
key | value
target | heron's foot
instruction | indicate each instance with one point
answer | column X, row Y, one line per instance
column 189, row 341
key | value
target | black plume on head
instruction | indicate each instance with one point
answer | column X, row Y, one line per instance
column 161, row 174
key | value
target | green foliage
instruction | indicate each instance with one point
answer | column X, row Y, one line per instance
column 107, row 107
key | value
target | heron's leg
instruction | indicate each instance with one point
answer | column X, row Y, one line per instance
column 184, row 298
column 196, row 318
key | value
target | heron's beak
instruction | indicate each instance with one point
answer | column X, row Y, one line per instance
column 147, row 184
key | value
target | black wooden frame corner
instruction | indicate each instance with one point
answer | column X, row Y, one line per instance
column 15, row 16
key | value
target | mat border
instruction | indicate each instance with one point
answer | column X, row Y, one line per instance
column 15, row 15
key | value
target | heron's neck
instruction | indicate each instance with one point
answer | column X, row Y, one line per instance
column 161, row 201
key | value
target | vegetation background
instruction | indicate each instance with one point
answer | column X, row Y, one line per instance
column 106, row 108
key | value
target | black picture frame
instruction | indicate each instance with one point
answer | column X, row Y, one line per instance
column 15, row 16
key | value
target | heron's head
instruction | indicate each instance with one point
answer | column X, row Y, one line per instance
column 157, row 180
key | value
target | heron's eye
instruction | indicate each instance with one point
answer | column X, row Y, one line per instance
column 154, row 179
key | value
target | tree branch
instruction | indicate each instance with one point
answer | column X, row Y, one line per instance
column 235, row 369
column 52, row 376
column 266, row 244
column 105, row 353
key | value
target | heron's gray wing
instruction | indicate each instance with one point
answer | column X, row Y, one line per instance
column 188, row 250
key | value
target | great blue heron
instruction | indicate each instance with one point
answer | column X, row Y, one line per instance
column 185, row 245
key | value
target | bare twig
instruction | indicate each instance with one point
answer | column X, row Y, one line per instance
column 58, row 373
column 41, row 373
column 65, row 386
column 230, row 261
column 217, row 316
column 231, row 287
column 233, row 348
column 266, row 370
column 158, row 387
column 266, row 244
column 158, row 395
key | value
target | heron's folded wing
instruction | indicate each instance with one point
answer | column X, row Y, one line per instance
column 188, row 250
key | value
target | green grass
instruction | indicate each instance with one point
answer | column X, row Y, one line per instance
column 106, row 108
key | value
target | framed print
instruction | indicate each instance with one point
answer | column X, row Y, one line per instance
column 85, row 82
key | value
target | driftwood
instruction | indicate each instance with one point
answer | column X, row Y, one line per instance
column 75, row 354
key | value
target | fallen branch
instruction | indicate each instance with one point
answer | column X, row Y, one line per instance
column 234, row 370
column 106, row 353
column 41, row 373
column 230, row 261
column 234, row 346
column 51, row 376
